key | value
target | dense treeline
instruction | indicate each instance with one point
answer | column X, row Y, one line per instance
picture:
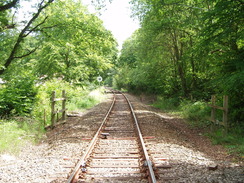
column 56, row 39
column 186, row 49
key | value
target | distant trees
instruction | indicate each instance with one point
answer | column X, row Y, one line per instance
column 186, row 48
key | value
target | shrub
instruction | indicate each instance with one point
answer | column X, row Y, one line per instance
column 18, row 96
column 78, row 98
column 196, row 111
column 167, row 104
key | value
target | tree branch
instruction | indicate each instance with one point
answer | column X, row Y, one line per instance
column 22, row 35
column 8, row 6
column 27, row 54
column 33, row 29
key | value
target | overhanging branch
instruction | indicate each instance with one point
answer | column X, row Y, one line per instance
column 22, row 35
column 33, row 29
column 8, row 6
column 27, row 54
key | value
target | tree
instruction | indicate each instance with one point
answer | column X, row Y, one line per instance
column 76, row 47
column 189, row 48
column 5, row 6
column 223, row 37
column 15, row 53
column 8, row 5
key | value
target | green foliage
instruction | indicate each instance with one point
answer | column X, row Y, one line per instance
column 167, row 104
column 78, row 98
column 18, row 96
column 196, row 112
column 4, row 15
column 85, row 100
column 233, row 140
column 186, row 49
column 76, row 47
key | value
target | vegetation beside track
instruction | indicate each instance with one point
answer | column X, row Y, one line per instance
column 196, row 115
column 24, row 122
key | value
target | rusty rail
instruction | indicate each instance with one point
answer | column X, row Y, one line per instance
column 148, row 163
column 82, row 161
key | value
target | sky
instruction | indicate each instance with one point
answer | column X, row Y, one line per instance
column 116, row 18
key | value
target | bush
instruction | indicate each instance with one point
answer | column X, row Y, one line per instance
column 18, row 96
column 196, row 111
column 78, row 98
column 167, row 104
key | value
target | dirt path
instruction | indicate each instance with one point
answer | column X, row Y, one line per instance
column 190, row 154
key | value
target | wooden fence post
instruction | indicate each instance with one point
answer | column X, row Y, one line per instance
column 225, row 112
column 54, row 111
column 53, row 108
column 63, row 105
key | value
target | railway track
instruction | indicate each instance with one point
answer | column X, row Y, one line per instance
column 117, row 152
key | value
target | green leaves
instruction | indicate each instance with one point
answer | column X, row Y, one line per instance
column 186, row 48
column 75, row 47
column 17, row 96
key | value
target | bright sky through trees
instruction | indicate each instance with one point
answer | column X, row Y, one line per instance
column 117, row 18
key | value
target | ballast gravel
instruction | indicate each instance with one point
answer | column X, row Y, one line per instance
column 189, row 156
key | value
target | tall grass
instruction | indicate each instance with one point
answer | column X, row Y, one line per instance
column 167, row 104
column 86, row 100
column 233, row 140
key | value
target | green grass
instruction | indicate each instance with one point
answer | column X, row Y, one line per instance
column 19, row 131
column 78, row 98
column 85, row 101
column 233, row 140
column 170, row 105
column 15, row 134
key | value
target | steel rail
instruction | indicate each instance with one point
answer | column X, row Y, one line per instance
column 82, row 161
column 148, row 163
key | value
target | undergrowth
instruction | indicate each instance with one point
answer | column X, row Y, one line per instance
column 233, row 140
column 23, row 128
column 78, row 98
column 14, row 134
column 170, row 105
column 197, row 114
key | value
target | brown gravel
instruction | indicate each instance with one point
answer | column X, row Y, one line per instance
column 190, row 154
